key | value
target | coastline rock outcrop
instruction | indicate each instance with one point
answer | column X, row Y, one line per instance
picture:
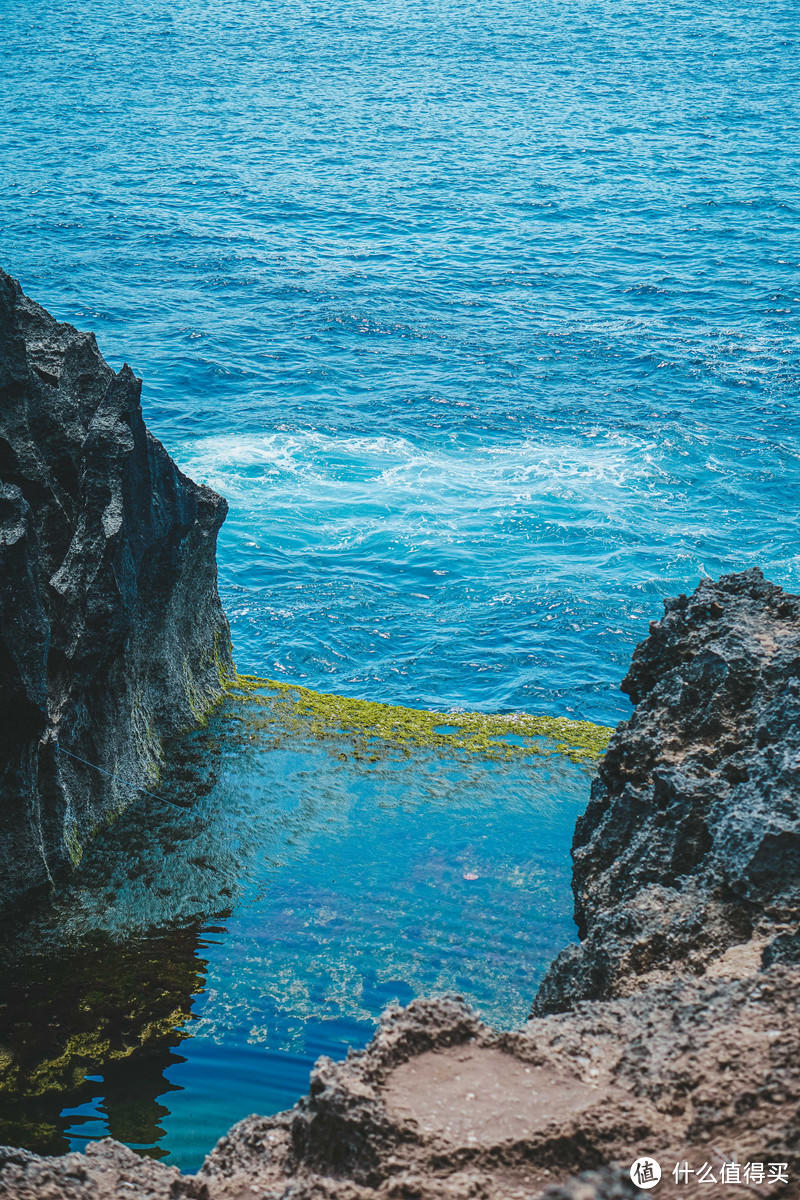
column 112, row 636
column 441, row 1107
column 690, row 845
column 636, row 1047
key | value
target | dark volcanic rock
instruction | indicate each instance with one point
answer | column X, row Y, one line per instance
column 112, row 636
column 690, row 845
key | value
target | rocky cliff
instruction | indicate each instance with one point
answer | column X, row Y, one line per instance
column 112, row 637
column 690, row 844
column 670, row 1030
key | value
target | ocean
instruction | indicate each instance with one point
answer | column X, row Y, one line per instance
column 484, row 319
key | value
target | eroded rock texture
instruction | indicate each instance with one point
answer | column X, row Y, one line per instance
column 690, row 845
column 672, row 1030
column 112, row 636
column 440, row 1107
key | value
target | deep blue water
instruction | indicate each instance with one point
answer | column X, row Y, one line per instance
column 484, row 317
column 485, row 320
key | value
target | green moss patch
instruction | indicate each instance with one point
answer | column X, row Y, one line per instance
column 74, row 846
column 274, row 706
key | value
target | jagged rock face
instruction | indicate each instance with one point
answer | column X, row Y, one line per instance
column 690, row 845
column 441, row 1107
column 112, row 636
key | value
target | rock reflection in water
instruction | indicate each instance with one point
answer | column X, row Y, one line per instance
column 98, row 980
column 104, row 1017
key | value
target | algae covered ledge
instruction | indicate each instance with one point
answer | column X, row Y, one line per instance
column 275, row 706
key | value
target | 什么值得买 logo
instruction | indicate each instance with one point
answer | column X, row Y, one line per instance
column 645, row 1172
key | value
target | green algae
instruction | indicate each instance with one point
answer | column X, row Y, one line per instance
column 74, row 846
column 197, row 697
column 274, row 707
column 226, row 670
column 202, row 696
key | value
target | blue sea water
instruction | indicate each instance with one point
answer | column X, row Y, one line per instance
column 484, row 318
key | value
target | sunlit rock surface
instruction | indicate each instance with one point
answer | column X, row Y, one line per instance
column 688, row 854
column 112, row 636
column 440, row 1105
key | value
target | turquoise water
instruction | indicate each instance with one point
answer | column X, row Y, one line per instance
column 485, row 320
column 205, row 956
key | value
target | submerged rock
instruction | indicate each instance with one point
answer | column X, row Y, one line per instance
column 637, row 1048
column 112, row 636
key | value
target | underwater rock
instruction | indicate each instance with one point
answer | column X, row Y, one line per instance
column 688, row 854
column 112, row 636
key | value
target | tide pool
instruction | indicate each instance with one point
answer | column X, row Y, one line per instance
column 204, row 956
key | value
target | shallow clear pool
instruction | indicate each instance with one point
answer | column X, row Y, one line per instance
column 203, row 958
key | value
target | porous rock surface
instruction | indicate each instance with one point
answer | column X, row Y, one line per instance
column 112, row 636
column 689, row 849
column 634, row 1049
column 440, row 1105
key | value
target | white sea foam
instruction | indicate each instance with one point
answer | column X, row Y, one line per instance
column 403, row 565
column 589, row 472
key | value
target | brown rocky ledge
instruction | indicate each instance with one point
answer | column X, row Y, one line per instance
column 672, row 1029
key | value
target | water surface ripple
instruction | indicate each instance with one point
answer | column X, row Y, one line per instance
column 483, row 317
column 203, row 957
